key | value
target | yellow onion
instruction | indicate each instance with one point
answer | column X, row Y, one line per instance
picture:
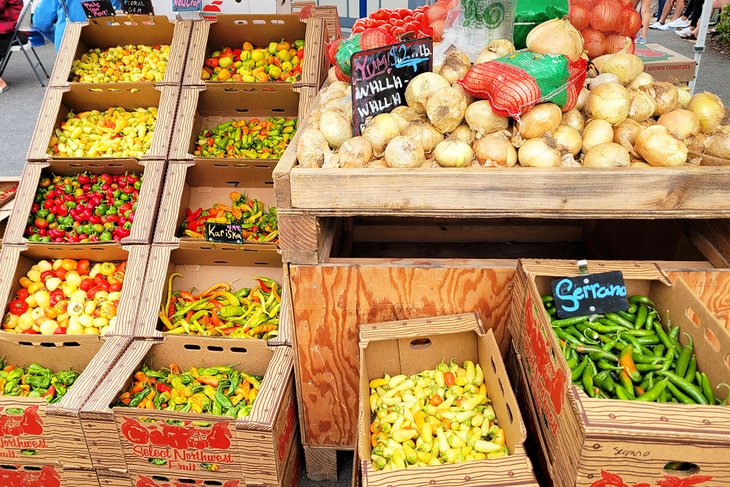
column 540, row 120
column 482, row 119
column 696, row 143
column 335, row 128
column 501, row 47
column 404, row 152
column 425, row 134
column 405, row 115
column 626, row 132
column 421, row 87
column 684, row 96
column 718, row 144
column 596, row 132
column 332, row 75
column 312, row 148
column 445, row 108
column 573, row 119
column 709, row 109
column 583, row 98
column 640, row 164
column 625, row 65
column 539, row 152
column 666, row 96
column 355, row 152
column 642, row 106
column 602, row 79
column 486, row 55
column 643, row 79
column 456, row 65
column 610, row 102
column 607, row 155
column 380, row 130
column 453, row 153
column 463, row 132
column 598, row 62
column 681, row 123
column 569, row 138
column 377, row 163
column 495, row 151
column 342, row 105
column 556, row 36
column 659, row 148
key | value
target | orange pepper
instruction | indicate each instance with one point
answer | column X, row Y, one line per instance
column 374, row 439
column 140, row 376
column 174, row 369
column 138, row 386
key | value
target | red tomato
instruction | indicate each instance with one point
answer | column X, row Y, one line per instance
column 381, row 14
column 413, row 26
column 399, row 23
column 357, row 29
column 404, row 12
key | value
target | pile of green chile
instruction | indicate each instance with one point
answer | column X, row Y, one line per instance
column 629, row 355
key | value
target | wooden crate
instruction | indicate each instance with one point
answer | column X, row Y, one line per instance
column 306, row 9
column 58, row 102
column 153, row 172
column 50, row 475
column 250, row 450
column 146, row 30
column 5, row 212
column 259, row 30
column 18, row 259
column 203, row 183
column 202, row 264
column 10, row 184
column 204, row 107
column 29, row 433
column 589, row 439
column 388, row 348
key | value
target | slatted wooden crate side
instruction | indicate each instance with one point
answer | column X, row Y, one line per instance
column 683, row 192
column 178, row 42
column 321, row 463
column 315, row 63
column 44, row 125
column 331, row 300
column 305, row 239
column 63, row 417
column 152, row 171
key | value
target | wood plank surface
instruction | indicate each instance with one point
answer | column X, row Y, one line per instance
column 331, row 301
column 321, row 463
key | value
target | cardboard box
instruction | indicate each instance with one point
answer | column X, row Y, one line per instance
column 203, row 183
column 666, row 65
column 586, row 439
column 214, row 7
column 80, row 37
column 203, row 108
column 111, row 478
column 153, row 173
column 203, row 264
column 58, row 102
column 250, row 450
column 17, row 260
column 259, row 30
column 408, row 347
column 46, row 476
column 29, row 434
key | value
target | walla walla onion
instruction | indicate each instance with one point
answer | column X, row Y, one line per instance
column 556, row 36
column 681, row 123
column 380, row 130
column 642, row 106
column 610, row 102
column 456, row 65
column 666, row 96
column 355, row 152
column 312, row 148
column 709, row 109
column 718, row 144
column 405, row 115
column 482, row 119
column 495, row 150
column 453, row 153
column 569, row 138
column 596, row 132
column 607, row 155
column 540, row 120
column 659, row 148
column 404, row 152
column 445, row 108
column 624, row 65
column 573, row 119
column 335, row 128
column 539, row 152
column 425, row 134
column 421, row 87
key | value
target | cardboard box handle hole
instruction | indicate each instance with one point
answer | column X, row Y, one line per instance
column 712, row 340
column 690, row 313
column 494, row 366
column 509, row 413
column 242, row 110
column 501, row 386
column 727, row 361
column 420, row 343
column 687, row 468
column 238, row 350
column 242, row 165
column 214, row 348
column 191, row 346
column 241, row 22
column 233, row 183
column 220, row 262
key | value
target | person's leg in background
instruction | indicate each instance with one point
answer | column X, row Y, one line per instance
column 4, row 45
column 660, row 9
column 690, row 32
column 645, row 19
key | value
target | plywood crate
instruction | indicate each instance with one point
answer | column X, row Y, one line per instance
column 409, row 347
column 202, row 183
column 203, row 108
column 29, row 434
column 202, row 265
column 152, row 171
column 589, row 439
column 17, row 260
column 251, row 450
column 104, row 33
column 46, row 476
column 58, row 102
column 258, row 29
column 306, row 9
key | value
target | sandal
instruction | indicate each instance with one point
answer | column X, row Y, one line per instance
column 690, row 37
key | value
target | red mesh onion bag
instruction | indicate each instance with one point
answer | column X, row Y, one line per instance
column 607, row 26
column 515, row 83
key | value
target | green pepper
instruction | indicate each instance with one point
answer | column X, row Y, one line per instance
column 686, row 387
column 604, row 381
column 653, row 394
column 139, row 397
column 684, row 357
column 578, row 371
column 223, row 400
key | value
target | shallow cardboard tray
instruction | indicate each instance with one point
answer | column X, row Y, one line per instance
column 585, row 436
column 408, row 347
column 259, row 30
column 123, row 30
column 58, row 102
column 203, row 264
column 153, row 172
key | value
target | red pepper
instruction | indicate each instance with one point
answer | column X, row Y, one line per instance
column 162, row 387
column 264, row 286
column 57, row 296
column 18, row 307
column 50, row 392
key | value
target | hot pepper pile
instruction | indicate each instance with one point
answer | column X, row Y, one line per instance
column 220, row 311
column 84, row 208
column 34, row 381
column 435, row 417
column 258, row 224
column 279, row 61
column 222, row 391
column 128, row 63
column 67, row 297
column 629, row 355
column 247, row 139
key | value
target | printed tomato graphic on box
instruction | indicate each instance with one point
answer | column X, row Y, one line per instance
column 21, row 432
column 20, row 476
column 288, row 430
column 183, row 445
column 609, row 479
column 159, row 481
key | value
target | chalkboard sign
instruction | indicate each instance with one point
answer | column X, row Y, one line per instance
column 590, row 294
column 380, row 77
column 98, row 8
column 187, row 5
column 223, row 232
column 138, row 7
